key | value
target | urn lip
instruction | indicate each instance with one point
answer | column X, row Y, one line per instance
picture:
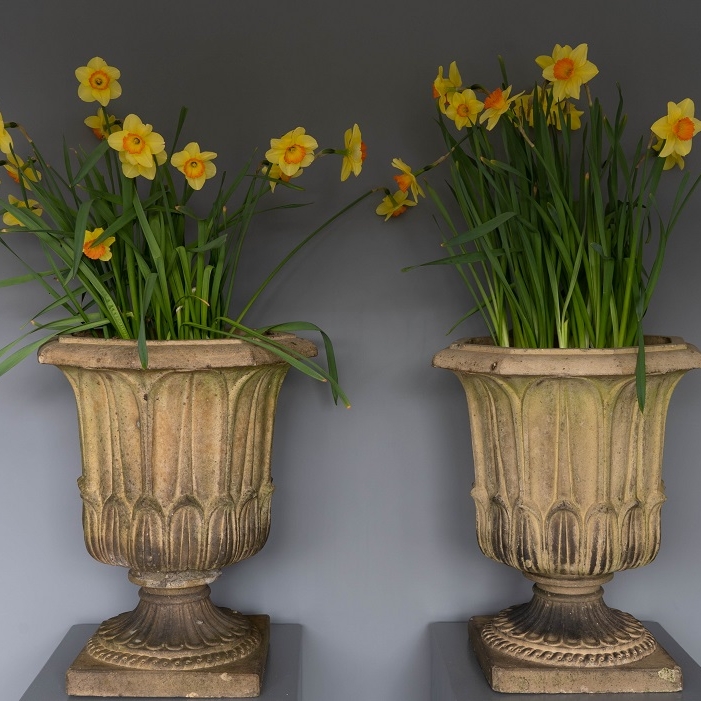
column 122, row 354
column 663, row 354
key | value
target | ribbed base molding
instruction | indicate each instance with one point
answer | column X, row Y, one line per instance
column 655, row 672
column 174, row 629
column 568, row 629
column 243, row 678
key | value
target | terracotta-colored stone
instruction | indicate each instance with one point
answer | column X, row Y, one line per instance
column 175, row 485
column 568, row 489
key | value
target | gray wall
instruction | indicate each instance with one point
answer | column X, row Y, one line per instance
column 373, row 528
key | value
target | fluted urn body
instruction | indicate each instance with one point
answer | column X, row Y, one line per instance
column 175, row 485
column 568, row 487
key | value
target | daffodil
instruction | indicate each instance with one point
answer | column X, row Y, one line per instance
column 677, row 128
column 97, row 251
column 274, row 173
column 354, row 153
column 443, row 88
column 98, row 81
column 292, row 151
column 496, row 104
column 194, row 164
column 394, row 205
column 11, row 220
column 463, row 108
column 5, row 138
column 140, row 148
column 407, row 180
column 567, row 69
column 17, row 168
column 569, row 112
column 523, row 108
column 674, row 159
column 102, row 124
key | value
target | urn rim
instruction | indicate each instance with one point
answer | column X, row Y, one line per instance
column 663, row 354
column 123, row 354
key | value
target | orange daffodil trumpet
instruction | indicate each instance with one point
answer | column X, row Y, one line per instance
column 496, row 104
column 140, row 148
column 407, row 180
column 97, row 250
column 394, row 204
column 98, row 82
column 195, row 165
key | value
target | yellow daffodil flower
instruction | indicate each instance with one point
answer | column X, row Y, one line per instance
column 394, row 205
column 496, row 104
column 98, row 81
column 99, row 127
column 523, row 108
column 443, row 88
column 674, row 159
column 567, row 110
column 17, row 168
column 567, row 69
column 463, row 108
column 11, row 219
column 5, row 138
column 407, row 180
column 194, row 164
column 140, row 148
column 354, row 153
column 97, row 251
column 292, row 151
column 677, row 128
column 274, row 173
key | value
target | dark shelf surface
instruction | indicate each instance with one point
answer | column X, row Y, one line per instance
column 456, row 674
column 282, row 681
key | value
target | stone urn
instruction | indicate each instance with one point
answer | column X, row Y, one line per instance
column 568, row 490
column 175, row 486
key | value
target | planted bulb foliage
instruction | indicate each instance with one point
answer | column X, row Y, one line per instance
column 127, row 255
column 552, row 218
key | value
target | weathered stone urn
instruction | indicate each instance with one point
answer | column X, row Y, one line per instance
column 175, row 485
column 568, row 490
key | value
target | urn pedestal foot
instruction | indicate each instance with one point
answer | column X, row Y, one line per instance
column 567, row 640
column 175, row 643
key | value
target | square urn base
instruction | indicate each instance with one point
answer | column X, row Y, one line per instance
column 657, row 672
column 241, row 679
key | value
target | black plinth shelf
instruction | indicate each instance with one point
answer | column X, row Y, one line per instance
column 282, row 681
column 456, row 674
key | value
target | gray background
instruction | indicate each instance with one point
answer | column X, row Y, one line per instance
column 373, row 528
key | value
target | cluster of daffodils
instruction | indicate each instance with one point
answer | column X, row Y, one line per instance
column 141, row 151
column 129, row 254
column 564, row 73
